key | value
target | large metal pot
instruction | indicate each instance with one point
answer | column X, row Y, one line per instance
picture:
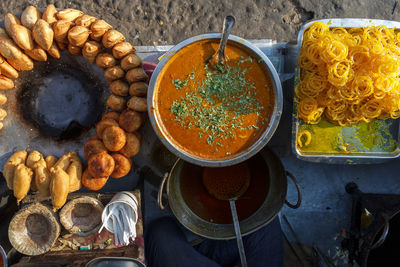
column 252, row 150
column 273, row 203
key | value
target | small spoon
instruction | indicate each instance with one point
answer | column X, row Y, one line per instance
column 219, row 55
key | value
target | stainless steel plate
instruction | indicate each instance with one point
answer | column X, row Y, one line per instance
column 388, row 130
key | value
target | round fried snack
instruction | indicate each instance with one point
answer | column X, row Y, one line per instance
column 116, row 102
column 114, row 138
column 105, row 60
column 130, row 120
column 111, row 38
column 138, row 89
column 136, row 75
column 93, row 183
column 114, row 73
column 92, row 147
column 132, row 145
column 119, row 87
column 74, row 50
column 112, row 115
column 131, row 61
column 122, row 49
column 137, row 104
column 104, row 123
column 101, row 165
column 122, row 166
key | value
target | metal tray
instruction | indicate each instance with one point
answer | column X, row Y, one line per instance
column 388, row 130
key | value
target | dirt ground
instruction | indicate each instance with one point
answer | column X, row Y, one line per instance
column 152, row 22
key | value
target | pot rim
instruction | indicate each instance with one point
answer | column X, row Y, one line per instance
column 244, row 155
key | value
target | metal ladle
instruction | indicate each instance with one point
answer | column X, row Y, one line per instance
column 219, row 55
column 232, row 197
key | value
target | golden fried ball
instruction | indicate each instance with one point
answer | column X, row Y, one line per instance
column 122, row 166
column 112, row 115
column 93, row 183
column 101, row 165
column 130, row 120
column 92, row 147
column 114, row 138
column 132, row 145
column 104, row 124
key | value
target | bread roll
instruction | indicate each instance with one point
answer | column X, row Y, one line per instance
column 111, row 38
column 59, row 187
column 30, row 16
column 116, row 102
column 138, row 89
column 137, row 104
column 131, row 61
column 22, row 181
column 119, row 87
column 122, row 49
column 105, row 60
column 49, row 14
column 15, row 159
column 136, row 75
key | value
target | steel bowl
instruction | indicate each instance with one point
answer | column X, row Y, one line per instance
column 253, row 149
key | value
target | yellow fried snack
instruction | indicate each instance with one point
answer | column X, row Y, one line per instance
column 74, row 172
column 63, row 162
column 59, row 187
column 17, row 158
column 22, row 181
column 42, row 177
column 50, row 161
column 349, row 75
column 303, row 138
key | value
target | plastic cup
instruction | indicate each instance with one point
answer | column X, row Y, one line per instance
column 123, row 198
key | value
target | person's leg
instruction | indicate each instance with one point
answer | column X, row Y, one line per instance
column 166, row 245
column 262, row 248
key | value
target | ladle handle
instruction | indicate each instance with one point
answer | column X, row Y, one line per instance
column 238, row 233
column 160, row 191
column 229, row 21
column 385, row 232
column 299, row 198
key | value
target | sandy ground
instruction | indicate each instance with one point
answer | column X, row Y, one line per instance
column 148, row 22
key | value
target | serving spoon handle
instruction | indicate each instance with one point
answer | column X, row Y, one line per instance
column 229, row 21
column 239, row 240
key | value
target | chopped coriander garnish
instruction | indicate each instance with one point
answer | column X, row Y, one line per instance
column 218, row 103
column 179, row 84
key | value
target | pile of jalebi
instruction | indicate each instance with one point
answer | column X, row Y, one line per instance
column 350, row 75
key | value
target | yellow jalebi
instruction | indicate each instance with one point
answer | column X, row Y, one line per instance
column 350, row 75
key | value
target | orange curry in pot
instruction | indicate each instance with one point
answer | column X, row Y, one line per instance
column 213, row 113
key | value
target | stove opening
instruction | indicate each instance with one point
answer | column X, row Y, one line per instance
column 61, row 98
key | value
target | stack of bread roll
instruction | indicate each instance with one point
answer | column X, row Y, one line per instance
column 35, row 35
column 50, row 176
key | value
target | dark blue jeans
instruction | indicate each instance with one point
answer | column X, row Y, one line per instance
column 166, row 246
